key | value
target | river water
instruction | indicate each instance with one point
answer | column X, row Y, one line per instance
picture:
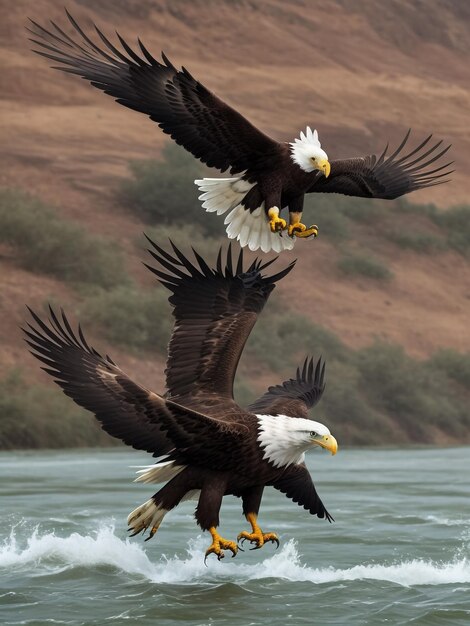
column 398, row 552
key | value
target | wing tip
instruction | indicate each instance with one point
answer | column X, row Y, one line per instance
column 225, row 265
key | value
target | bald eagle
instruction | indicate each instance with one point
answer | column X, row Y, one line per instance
column 207, row 445
column 267, row 176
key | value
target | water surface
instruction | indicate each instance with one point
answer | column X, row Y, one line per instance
column 398, row 552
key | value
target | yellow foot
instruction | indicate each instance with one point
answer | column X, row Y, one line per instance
column 258, row 537
column 300, row 230
column 276, row 223
column 219, row 544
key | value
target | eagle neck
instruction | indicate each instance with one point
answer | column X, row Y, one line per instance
column 280, row 439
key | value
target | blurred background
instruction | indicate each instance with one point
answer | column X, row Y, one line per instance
column 383, row 293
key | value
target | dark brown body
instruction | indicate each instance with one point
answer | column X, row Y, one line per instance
column 283, row 188
column 214, row 485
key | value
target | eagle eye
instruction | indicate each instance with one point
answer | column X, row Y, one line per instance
column 313, row 433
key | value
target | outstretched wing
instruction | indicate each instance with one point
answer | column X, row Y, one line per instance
column 297, row 484
column 387, row 177
column 126, row 410
column 294, row 397
column 183, row 108
column 214, row 310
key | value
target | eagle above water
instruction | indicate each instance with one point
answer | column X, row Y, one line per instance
column 267, row 175
column 207, row 445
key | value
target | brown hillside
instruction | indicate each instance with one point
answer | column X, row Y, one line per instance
column 361, row 72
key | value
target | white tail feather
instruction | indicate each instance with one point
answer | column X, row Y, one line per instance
column 249, row 228
column 222, row 194
column 150, row 515
column 158, row 473
column 252, row 229
column 147, row 515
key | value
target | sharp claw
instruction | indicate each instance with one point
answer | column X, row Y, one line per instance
column 276, row 541
column 257, row 547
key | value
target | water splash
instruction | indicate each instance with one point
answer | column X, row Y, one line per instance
column 49, row 552
column 76, row 550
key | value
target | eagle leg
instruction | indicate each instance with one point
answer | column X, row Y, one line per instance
column 276, row 223
column 297, row 229
column 257, row 536
column 219, row 544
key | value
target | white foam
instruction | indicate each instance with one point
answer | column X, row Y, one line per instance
column 446, row 521
column 105, row 548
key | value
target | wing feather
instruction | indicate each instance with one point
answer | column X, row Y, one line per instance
column 215, row 311
column 95, row 383
column 294, row 397
column 387, row 177
column 193, row 116
column 128, row 411
column 296, row 483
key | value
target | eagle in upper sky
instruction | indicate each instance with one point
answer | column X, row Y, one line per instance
column 207, row 445
column 267, row 176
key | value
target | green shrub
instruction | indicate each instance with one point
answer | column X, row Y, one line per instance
column 184, row 237
column 131, row 317
column 453, row 222
column 333, row 225
column 414, row 393
column 415, row 240
column 367, row 210
column 334, row 213
column 164, row 192
column 325, row 210
column 455, row 365
column 361, row 265
column 39, row 416
column 48, row 244
column 456, row 224
column 346, row 409
column 405, row 207
column 281, row 339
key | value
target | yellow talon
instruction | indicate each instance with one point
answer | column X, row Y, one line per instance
column 219, row 544
column 257, row 536
column 276, row 223
column 303, row 232
column 294, row 228
column 153, row 531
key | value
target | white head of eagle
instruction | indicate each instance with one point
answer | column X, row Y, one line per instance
column 308, row 154
column 285, row 439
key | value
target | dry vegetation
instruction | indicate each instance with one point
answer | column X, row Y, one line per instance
column 383, row 291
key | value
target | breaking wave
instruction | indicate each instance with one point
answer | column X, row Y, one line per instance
column 50, row 553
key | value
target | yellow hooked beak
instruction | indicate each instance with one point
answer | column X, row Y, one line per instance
column 323, row 165
column 326, row 441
